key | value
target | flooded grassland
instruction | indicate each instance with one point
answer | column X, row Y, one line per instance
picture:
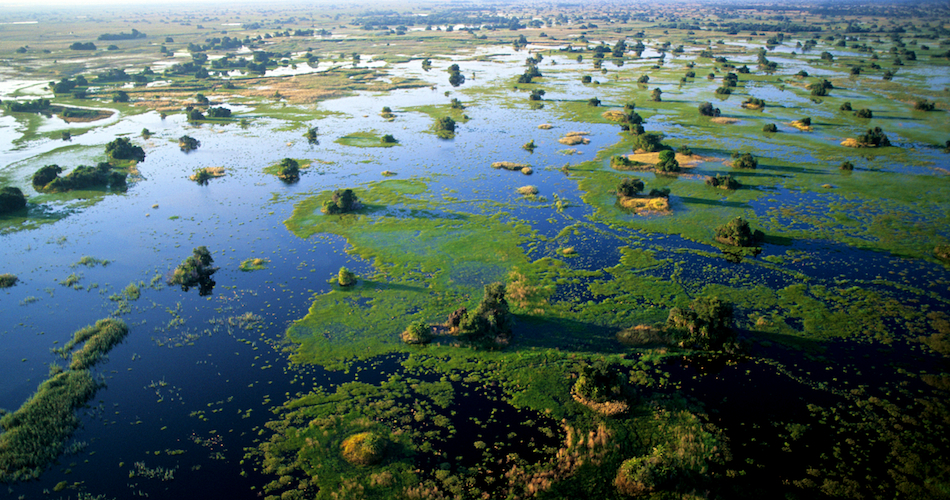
column 229, row 310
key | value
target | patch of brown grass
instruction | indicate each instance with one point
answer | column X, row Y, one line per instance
column 612, row 115
column 212, row 171
column 510, row 165
column 574, row 138
column 646, row 205
column 801, row 126
column 722, row 120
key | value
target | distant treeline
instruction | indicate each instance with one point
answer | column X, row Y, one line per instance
column 393, row 18
column 82, row 46
column 122, row 36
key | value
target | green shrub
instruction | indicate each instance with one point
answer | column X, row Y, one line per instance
column 345, row 277
column 196, row 270
column 738, row 233
column 706, row 324
column 342, row 201
column 7, row 280
column 418, row 332
column 11, row 199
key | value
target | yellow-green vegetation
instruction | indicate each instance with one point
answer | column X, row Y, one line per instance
column 288, row 169
column 36, row 433
column 364, row 448
column 345, row 277
column 367, row 140
column 510, row 165
column 203, row 175
column 255, row 264
column 529, row 191
column 574, row 138
column 417, row 332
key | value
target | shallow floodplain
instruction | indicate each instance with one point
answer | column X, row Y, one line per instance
column 286, row 384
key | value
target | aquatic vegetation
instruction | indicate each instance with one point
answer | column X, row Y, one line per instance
column 36, row 433
column 97, row 341
column 574, row 138
column 528, row 190
column 509, row 165
column 255, row 264
column 445, row 127
column 90, row 261
column 723, row 181
column 7, row 280
column 288, row 170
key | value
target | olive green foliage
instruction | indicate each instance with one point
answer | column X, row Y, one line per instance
column 490, row 324
column 845, row 107
column 707, row 109
column 667, row 162
column 723, row 181
column 365, row 448
column 593, row 101
column 388, row 139
column 7, row 280
column 188, row 143
column 341, row 202
column 81, row 177
column 122, row 149
column 11, row 199
column 345, row 277
column 770, row 128
column 846, row 165
column 656, row 95
column 924, row 105
column 288, row 170
column 599, row 382
column 445, row 127
column 738, row 233
column 418, row 332
column 706, row 324
column 942, row 252
column 311, row 135
column 256, row 264
column 98, row 340
column 864, row 113
column 36, row 433
column 629, row 187
column 744, row 161
column 648, row 142
column 196, row 270
column 873, row 138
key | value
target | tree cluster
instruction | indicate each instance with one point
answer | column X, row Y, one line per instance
column 11, row 199
column 196, row 270
column 706, row 324
column 707, row 109
column 738, row 233
column 456, row 77
column 341, row 202
column 123, row 149
column 47, row 178
column 489, row 325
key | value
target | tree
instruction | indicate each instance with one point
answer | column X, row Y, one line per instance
column 864, row 113
column 196, row 270
column 536, row 95
column 873, row 138
column 924, row 105
column 707, row 109
column 629, row 187
column 722, row 181
column 586, row 79
column 45, row 175
column 418, row 332
column 342, row 201
column 188, row 143
column 845, row 107
column 289, row 170
column 122, row 149
column 388, row 139
column 667, row 162
column 593, row 101
column 195, row 115
column 219, row 112
column 706, row 324
column 655, row 95
column 846, row 165
column 744, row 160
column 490, row 324
column 121, row 96
column 457, row 104
column 11, row 198
column 345, row 277
column 311, row 135
column 456, row 77
column 770, row 128
column 643, row 79
column 146, row 133
column 445, row 127
column 737, row 233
